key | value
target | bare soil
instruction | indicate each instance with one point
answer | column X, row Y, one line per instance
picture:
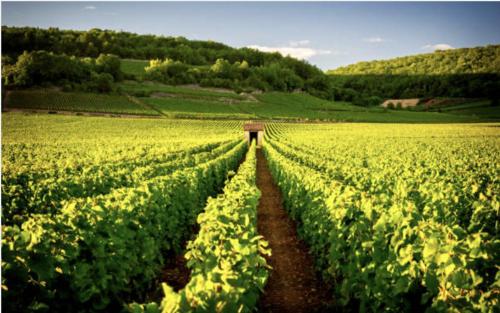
column 293, row 285
column 174, row 272
column 160, row 94
column 196, row 86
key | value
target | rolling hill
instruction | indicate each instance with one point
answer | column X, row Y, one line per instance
column 478, row 60
column 177, row 60
column 459, row 73
column 104, row 71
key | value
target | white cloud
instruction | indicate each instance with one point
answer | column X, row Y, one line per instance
column 302, row 53
column 439, row 46
column 299, row 43
column 375, row 39
column 90, row 7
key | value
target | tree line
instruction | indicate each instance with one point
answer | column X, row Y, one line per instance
column 239, row 76
column 477, row 60
column 174, row 60
column 90, row 61
column 42, row 68
column 372, row 89
column 465, row 73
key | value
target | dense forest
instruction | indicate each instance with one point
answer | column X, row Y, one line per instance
column 42, row 68
column 174, row 60
column 467, row 73
column 367, row 90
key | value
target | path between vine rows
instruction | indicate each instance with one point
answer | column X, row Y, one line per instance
column 293, row 285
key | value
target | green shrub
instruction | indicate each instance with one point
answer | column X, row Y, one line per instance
column 104, row 82
column 367, row 101
column 46, row 69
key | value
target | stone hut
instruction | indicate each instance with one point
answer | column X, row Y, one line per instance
column 403, row 103
column 254, row 131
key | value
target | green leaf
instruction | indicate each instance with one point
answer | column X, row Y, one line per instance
column 431, row 282
column 431, row 247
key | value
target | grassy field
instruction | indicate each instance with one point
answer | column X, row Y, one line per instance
column 69, row 101
column 206, row 103
column 482, row 109
column 296, row 107
column 474, row 109
column 461, row 106
column 133, row 67
column 485, row 113
column 148, row 88
column 274, row 105
column 303, row 106
column 181, row 107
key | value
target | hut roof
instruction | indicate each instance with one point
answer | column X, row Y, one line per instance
column 253, row 126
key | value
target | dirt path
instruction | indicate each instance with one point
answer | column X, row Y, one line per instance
column 292, row 285
column 144, row 105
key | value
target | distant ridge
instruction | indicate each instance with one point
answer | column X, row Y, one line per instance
column 478, row 60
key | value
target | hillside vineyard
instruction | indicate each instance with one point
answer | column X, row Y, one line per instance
column 398, row 218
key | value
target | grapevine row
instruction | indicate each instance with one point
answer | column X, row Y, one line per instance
column 29, row 196
column 228, row 271
column 387, row 257
column 390, row 183
column 99, row 250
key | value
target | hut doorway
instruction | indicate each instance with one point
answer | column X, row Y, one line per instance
column 253, row 135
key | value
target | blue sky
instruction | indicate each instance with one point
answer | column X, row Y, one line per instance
column 327, row 34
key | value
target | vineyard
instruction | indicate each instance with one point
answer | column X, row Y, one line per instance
column 73, row 101
column 88, row 219
column 397, row 218
column 193, row 102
